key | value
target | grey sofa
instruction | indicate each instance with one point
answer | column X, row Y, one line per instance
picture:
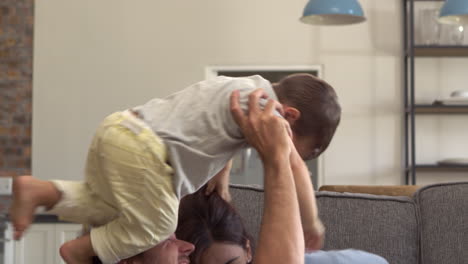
column 429, row 228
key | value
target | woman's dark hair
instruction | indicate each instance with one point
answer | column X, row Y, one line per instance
column 204, row 220
column 318, row 104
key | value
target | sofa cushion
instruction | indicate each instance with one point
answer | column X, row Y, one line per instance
column 444, row 213
column 249, row 203
column 384, row 225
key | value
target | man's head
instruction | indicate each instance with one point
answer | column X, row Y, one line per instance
column 311, row 108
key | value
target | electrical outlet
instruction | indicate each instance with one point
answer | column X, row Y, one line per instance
column 6, row 184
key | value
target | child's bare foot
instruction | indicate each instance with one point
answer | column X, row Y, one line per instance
column 28, row 194
column 24, row 204
column 77, row 251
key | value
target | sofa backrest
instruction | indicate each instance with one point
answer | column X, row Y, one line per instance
column 249, row 203
column 383, row 225
column 444, row 223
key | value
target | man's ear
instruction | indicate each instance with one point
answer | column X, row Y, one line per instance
column 291, row 114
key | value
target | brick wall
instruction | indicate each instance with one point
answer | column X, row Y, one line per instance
column 16, row 44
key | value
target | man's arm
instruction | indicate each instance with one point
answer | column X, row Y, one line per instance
column 281, row 236
column 313, row 227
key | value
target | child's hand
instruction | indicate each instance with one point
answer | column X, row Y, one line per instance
column 220, row 183
column 221, row 188
column 314, row 236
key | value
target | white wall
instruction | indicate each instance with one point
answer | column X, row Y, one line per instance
column 95, row 57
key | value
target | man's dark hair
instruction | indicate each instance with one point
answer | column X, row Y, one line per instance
column 318, row 104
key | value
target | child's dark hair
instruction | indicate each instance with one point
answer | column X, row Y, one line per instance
column 318, row 104
column 204, row 220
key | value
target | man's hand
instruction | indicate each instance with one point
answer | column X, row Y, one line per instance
column 269, row 134
column 220, row 183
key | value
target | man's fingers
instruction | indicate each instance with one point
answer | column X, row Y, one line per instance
column 271, row 105
column 254, row 97
column 279, row 108
column 236, row 110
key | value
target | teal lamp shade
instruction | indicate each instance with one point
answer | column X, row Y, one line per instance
column 454, row 12
column 333, row 12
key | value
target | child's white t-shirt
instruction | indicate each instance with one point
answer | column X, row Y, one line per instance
column 198, row 129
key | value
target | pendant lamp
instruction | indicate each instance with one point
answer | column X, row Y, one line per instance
column 454, row 12
column 333, row 12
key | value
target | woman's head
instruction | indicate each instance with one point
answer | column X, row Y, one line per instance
column 215, row 228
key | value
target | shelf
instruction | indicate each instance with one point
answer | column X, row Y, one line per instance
column 438, row 168
column 439, row 109
column 413, row 53
column 441, row 51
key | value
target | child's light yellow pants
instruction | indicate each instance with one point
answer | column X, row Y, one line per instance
column 127, row 194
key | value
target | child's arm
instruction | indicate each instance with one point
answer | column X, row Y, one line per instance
column 220, row 183
column 313, row 228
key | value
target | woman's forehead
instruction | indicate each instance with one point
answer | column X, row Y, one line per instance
column 221, row 253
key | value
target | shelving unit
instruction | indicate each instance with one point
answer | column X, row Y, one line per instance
column 440, row 167
column 438, row 109
column 440, row 51
column 411, row 108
